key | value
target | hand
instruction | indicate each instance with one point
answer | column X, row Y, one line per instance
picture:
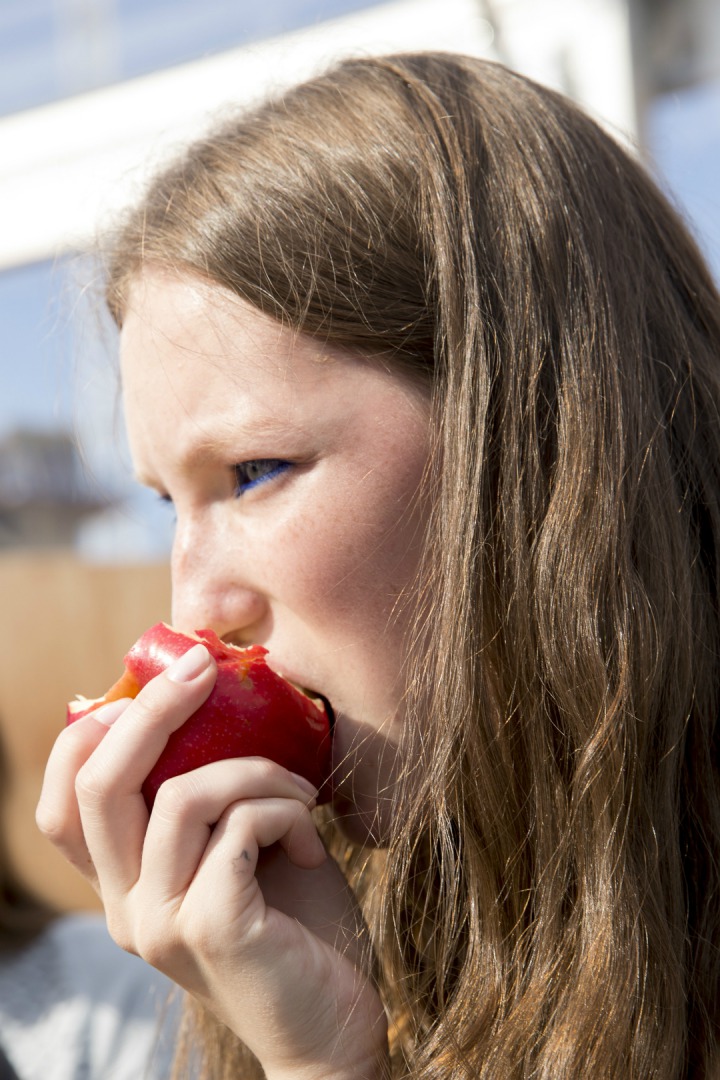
column 226, row 887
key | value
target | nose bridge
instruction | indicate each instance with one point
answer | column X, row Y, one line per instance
column 210, row 586
column 190, row 578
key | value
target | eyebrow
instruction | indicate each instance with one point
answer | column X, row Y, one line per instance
column 225, row 434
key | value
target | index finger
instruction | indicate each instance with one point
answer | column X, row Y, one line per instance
column 57, row 814
column 109, row 785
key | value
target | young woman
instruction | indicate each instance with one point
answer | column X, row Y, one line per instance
column 430, row 372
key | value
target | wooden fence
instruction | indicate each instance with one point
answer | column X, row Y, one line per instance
column 64, row 629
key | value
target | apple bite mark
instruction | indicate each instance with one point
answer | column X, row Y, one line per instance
column 251, row 710
column 127, row 686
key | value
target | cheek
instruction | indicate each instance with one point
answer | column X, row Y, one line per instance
column 353, row 558
column 348, row 573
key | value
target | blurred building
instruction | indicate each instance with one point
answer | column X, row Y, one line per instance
column 45, row 494
column 676, row 44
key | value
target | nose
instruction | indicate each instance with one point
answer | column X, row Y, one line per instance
column 211, row 589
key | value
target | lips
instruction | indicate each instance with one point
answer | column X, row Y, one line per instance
column 329, row 711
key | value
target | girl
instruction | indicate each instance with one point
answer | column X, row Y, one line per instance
column 429, row 371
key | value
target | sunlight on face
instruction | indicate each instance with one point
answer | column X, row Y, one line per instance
column 293, row 470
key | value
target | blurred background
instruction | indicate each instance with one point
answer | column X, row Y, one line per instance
column 93, row 95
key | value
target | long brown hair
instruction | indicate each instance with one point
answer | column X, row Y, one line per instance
column 549, row 904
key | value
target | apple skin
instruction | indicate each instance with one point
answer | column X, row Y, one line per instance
column 251, row 711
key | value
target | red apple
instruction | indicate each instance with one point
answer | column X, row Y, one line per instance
column 251, row 710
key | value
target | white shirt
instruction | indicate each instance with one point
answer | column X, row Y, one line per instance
column 74, row 1006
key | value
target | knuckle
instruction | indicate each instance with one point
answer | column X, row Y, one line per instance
column 150, row 948
column 269, row 774
column 50, row 822
column 90, row 788
column 240, row 816
column 119, row 931
column 265, row 769
column 177, row 795
column 157, row 946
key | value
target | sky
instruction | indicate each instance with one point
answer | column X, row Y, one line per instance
column 44, row 51
column 41, row 351
column 684, row 138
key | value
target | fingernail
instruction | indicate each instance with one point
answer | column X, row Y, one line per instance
column 107, row 714
column 305, row 784
column 189, row 665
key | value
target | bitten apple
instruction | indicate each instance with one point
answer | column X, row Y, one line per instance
column 251, row 711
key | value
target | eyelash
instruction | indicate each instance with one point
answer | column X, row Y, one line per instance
column 244, row 480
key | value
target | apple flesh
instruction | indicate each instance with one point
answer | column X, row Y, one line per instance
column 251, row 710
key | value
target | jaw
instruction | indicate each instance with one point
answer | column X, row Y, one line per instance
column 365, row 767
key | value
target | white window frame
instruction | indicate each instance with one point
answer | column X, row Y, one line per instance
column 67, row 168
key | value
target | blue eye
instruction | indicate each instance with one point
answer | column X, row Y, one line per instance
column 248, row 474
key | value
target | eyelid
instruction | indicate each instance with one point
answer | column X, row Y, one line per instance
column 276, row 467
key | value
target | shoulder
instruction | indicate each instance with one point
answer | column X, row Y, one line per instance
column 93, row 964
column 75, row 1004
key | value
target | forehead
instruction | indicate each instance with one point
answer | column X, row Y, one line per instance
column 192, row 352
column 178, row 323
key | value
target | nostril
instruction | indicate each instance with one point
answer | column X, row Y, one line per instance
column 239, row 615
column 242, row 639
column 248, row 627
